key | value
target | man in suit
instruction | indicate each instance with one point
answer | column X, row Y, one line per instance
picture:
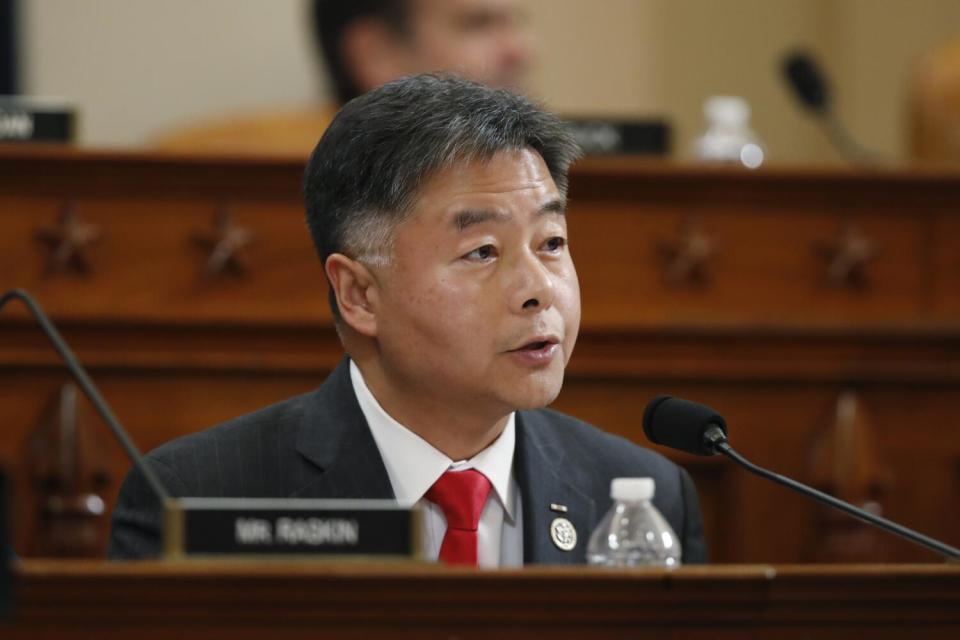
column 437, row 209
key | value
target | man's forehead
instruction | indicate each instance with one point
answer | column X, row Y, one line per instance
column 504, row 173
column 472, row 191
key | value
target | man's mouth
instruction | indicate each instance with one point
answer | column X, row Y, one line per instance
column 537, row 352
column 534, row 346
column 537, row 344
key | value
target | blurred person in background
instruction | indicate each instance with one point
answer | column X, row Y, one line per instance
column 367, row 43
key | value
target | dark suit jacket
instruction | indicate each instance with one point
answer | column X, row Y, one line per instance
column 318, row 445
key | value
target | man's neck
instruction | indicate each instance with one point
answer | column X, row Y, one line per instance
column 456, row 431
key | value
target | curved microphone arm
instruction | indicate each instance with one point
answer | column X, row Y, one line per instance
column 715, row 438
column 844, row 142
column 89, row 389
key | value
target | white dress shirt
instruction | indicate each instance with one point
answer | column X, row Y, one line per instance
column 413, row 465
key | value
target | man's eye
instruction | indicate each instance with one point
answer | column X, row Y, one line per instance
column 479, row 22
column 484, row 253
column 555, row 244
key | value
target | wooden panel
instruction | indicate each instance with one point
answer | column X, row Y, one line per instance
column 776, row 428
column 766, row 269
column 244, row 600
column 946, row 260
column 148, row 267
column 763, row 337
column 154, row 407
column 773, row 417
column 767, row 227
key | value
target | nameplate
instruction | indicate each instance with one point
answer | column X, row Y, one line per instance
column 35, row 120
column 599, row 137
column 242, row 527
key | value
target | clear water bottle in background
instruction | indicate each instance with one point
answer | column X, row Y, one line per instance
column 729, row 138
column 633, row 533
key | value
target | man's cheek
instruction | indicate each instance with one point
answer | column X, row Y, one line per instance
column 570, row 305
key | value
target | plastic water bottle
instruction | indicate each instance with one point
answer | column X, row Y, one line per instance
column 633, row 533
column 729, row 138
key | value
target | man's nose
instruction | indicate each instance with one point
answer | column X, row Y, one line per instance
column 533, row 287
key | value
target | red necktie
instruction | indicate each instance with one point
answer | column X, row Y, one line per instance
column 461, row 495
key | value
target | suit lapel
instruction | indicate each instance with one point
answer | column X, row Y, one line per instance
column 539, row 461
column 335, row 437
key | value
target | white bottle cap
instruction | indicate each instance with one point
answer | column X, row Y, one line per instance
column 632, row 489
column 730, row 111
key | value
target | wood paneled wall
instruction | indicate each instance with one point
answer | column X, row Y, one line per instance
column 818, row 311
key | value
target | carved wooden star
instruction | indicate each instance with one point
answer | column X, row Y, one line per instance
column 225, row 244
column 69, row 242
column 688, row 254
column 847, row 256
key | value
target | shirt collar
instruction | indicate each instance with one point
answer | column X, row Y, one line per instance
column 413, row 464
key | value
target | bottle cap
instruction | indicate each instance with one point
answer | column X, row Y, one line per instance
column 632, row 489
column 731, row 111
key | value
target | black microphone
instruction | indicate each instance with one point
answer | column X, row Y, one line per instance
column 807, row 81
column 811, row 88
column 662, row 415
column 698, row 429
column 86, row 383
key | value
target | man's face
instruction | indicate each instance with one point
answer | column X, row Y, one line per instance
column 483, row 40
column 479, row 306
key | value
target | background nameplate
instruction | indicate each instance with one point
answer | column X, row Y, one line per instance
column 24, row 119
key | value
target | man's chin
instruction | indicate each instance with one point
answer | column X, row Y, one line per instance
column 537, row 396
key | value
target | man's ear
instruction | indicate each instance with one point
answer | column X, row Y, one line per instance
column 356, row 292
column 374, row 53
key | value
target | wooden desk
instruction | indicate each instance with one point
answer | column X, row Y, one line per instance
column 242, row 600
column 818, row 310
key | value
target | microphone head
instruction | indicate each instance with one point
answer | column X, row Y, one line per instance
column 681, row 424
column 807, row 81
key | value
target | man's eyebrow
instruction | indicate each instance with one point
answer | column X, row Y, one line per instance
column 469, row 217
column 557, row 206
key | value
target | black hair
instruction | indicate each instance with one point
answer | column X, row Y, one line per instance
column 330, row 19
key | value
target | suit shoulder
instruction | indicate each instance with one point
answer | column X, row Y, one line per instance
column 282, row 416
column 582, row 440
column 246, row 455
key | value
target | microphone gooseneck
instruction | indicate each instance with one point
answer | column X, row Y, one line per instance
column 810, row 86
column 698, row 429
column 89, row 389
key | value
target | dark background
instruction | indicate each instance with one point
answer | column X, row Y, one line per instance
column 8, row 48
